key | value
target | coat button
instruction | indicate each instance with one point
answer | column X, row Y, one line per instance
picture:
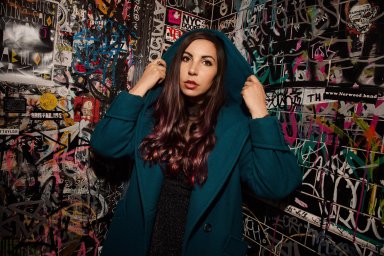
column 207, row 227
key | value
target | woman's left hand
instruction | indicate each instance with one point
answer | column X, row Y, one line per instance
column 254, row 97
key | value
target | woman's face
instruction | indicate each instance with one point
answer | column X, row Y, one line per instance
column 198, row 68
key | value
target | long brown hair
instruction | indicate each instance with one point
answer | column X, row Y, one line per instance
column 167, row 144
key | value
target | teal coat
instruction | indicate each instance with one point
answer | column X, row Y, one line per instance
column 248, row 152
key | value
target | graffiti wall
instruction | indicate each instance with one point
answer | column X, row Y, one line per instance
column 63, row 62
column 321, row 63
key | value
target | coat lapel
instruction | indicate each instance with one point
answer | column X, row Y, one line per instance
column 231, row 135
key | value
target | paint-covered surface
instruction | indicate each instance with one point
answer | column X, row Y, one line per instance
column 322, row 64
column 61, row 65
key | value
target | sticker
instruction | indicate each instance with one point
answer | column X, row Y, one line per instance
column 9, row 131
column 361, row 16
column 174, row 17
column 53, row 115
column 48, row 101
column 86, row 108
column 368, row 94
column 14, row 105
column 190, row 22
column 172, row 34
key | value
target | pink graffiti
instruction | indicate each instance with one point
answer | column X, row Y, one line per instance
column 297, row 63
column 32, row 147
column 126, row 8
column 293, row 123
column 69, row 153
column 319, row 58
column 61, row 158
column 82, row 251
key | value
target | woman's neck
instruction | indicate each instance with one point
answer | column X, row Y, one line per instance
column 193, row 107
column 193, row 110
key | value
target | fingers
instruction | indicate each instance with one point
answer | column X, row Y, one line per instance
column 253, row 78
column 159, row 68
column 162, row 77
column 252, row 81
column 160, row 63
column 248, row 84
column 253, row 84
column 154, row 73
column 254, row 97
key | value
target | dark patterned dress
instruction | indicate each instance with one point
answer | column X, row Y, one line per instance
column 171, row 217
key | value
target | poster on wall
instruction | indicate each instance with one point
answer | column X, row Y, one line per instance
column 364, row 30
column 174, row 17
column 172, row 34
column 27, row 36
column 362, row 57
column 190, row 22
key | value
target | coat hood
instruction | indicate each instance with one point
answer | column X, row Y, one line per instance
column 237, row 70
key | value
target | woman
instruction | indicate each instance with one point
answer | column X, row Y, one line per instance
column 194, row 146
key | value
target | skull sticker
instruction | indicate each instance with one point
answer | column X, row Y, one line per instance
column 361, row 17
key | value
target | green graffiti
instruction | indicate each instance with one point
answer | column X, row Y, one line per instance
column 262, row 70
column 313, row 146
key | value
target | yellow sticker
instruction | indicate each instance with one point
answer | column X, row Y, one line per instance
column 48, row 101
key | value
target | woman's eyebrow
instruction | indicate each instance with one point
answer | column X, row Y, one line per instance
column 203, row 57
column 185, row 52
column 208, row 57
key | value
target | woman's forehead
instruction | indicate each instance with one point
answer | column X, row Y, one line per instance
column 201, row 47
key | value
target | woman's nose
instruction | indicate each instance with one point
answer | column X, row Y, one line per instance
column 193, row 68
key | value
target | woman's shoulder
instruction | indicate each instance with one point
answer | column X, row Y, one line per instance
column 152, row 96
column 233, row 118
column 235, row 113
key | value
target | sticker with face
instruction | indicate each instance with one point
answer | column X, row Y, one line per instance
column 361, row 16
column 86, row 108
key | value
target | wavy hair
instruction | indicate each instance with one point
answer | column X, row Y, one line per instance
column 167, row 144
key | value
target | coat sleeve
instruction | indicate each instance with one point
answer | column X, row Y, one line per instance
column 113, row 136
column 266, row 164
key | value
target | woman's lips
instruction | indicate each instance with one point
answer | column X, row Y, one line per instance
column 190, row 84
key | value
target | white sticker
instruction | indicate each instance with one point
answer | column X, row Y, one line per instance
column 9, row 131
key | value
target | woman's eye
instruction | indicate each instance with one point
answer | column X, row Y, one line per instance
column 207, row 63
column 185, row 58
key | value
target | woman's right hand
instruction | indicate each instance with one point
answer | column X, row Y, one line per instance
column 153, row 74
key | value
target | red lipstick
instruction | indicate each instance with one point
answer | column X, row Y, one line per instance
column 190, row 84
